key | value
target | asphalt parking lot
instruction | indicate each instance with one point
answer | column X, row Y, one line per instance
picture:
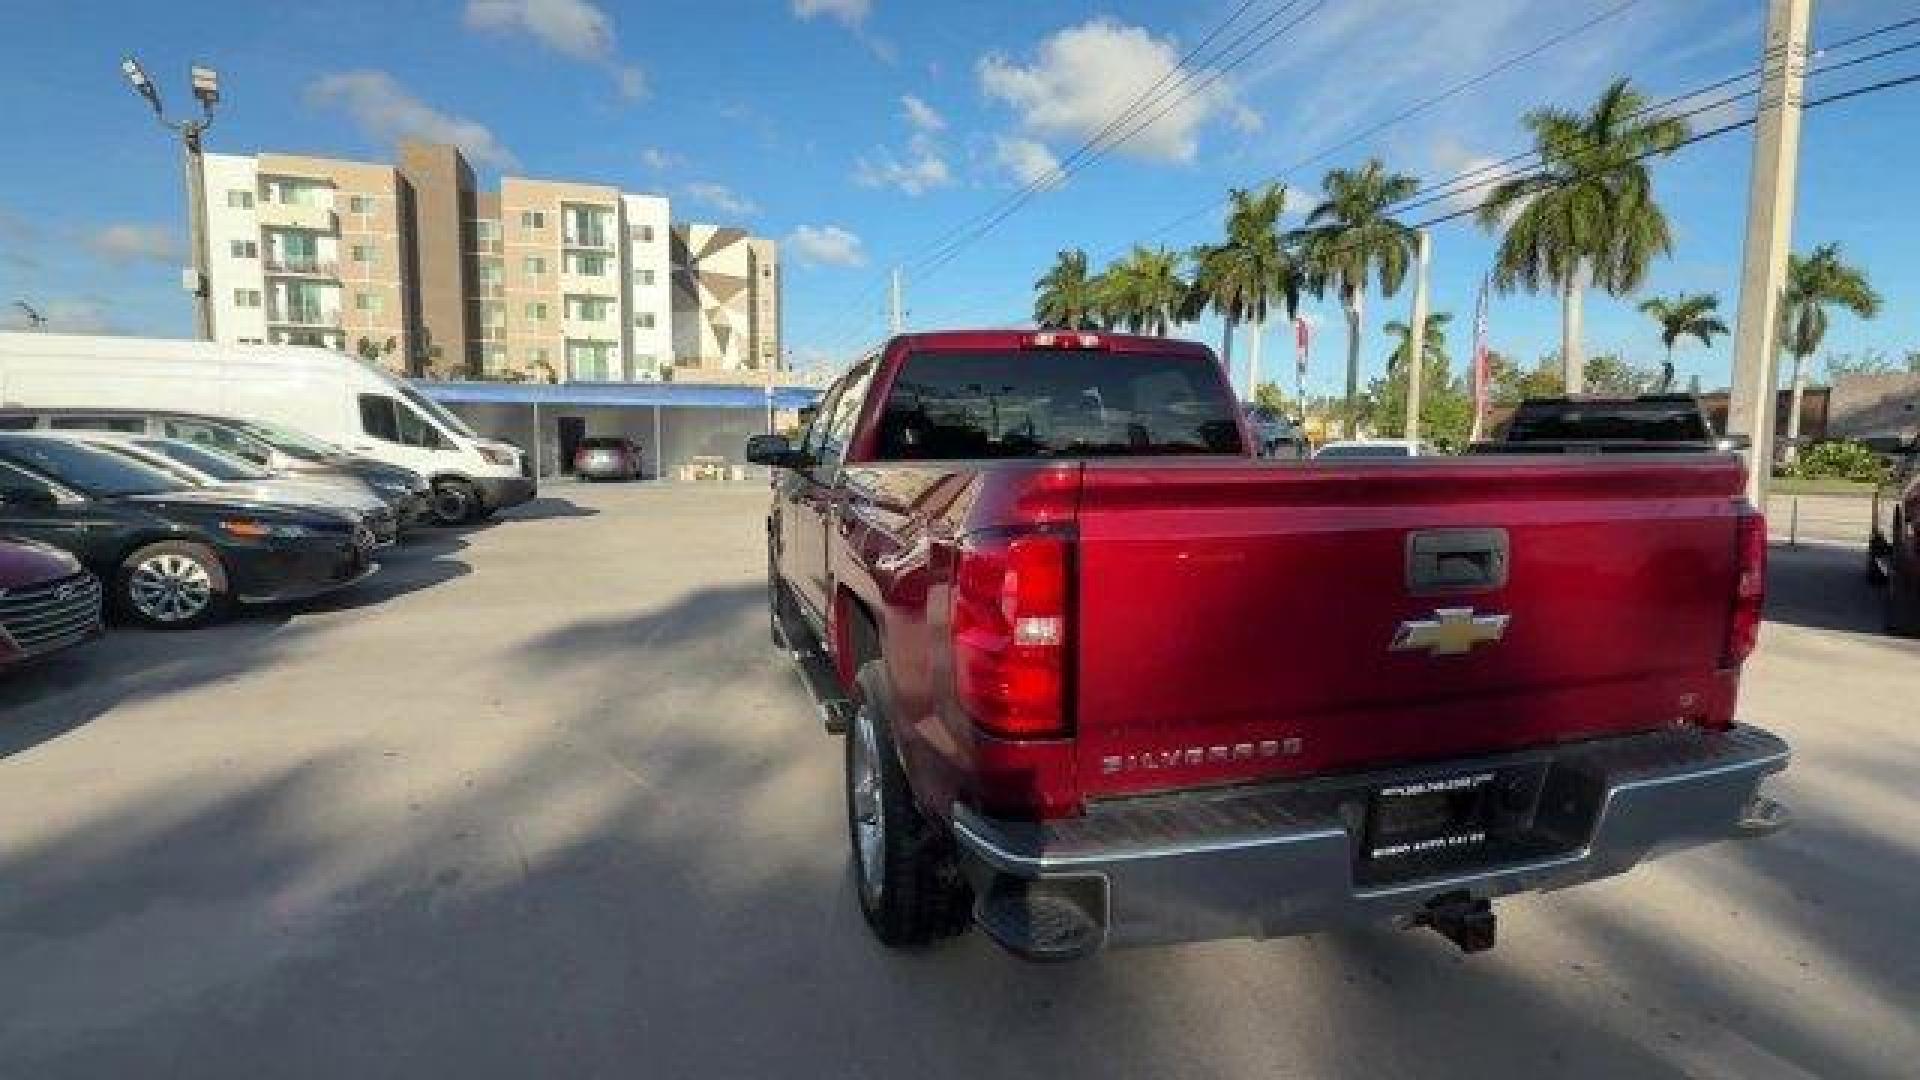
column 541, row 800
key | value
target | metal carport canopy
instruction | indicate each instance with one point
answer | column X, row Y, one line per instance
column 614, row 395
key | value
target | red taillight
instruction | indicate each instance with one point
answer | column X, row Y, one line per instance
column 1057, row 339
column 1750, row 588
column 1010, row 601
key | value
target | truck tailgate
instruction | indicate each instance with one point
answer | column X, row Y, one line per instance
column 1236, row 621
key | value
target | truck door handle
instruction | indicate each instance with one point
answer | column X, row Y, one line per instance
column 1456, row 560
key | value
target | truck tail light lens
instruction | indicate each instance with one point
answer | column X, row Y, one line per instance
column 1060, row 339
column 1750, row 588
column 1010, row 610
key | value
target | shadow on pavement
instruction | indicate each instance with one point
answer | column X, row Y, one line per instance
column 1822, row 586
column 545, row 507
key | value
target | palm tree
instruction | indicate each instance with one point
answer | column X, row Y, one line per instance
column 1433, row 343
column 1350, row 235
column 1587, row 214
column 1243, row 278
column 1686, row 315
column 1814, row 283
column 1144, row 291
column 1067, row 297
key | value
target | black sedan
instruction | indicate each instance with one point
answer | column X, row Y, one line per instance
column 172, row 557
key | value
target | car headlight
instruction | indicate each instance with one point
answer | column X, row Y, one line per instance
column 497, row 456
column 255, row 529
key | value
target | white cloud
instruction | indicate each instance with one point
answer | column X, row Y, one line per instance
column 385, row 110
column 721, row 198
column 1084, row 76
column 826, row 245
column 1453, row 161
column 851, row 12
column 1029, row 161
column 65, row 315
column 572, row 28
column 918, row 169
column 921, row 115
column 653, row 157
column 125, row 242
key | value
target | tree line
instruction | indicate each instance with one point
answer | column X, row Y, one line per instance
column 1585, row 217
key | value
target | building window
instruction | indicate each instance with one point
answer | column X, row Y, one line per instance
column 532, row 220
column 253, row 341
column 643, row 319
column 590, row 361
column 536, row 312
column 643, row 277
column 493, row 313
column 372, row 303
column 489, row 272
column 365, row 253
column 240, row 199
column 585, row 226
column 533, row 266
column 360, row 204
column 486, row 230
column 643, row 233
column 493, row 360
column 243, row 249
column 588, row 308
column 586, row 263
column 246, row 298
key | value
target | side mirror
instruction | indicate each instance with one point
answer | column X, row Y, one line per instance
column 27, row 498
column 1732, row 443
column 775, row 451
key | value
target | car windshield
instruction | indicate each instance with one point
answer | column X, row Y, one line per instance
column 88, row 470
column 222, row 467
column 291, row 443
column 946, row 406
column 435, row 409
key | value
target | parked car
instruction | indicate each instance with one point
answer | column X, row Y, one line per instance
column 1583, row 424
column 264, row 446
column 1893, row 546
column 172, row 556
column 200, row 467
column 1275, row 436
column 604, row 458
column 48, row 602
column 327, row 394
column 1374, row 448
column 1107, row 679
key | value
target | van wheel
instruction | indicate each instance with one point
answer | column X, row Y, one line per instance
column 455, row 502
column 904, row 868
column 172, row 585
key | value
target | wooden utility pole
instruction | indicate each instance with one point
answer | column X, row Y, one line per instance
column 1770, row 201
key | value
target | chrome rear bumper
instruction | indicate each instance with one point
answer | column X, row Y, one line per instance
column 1274, row 860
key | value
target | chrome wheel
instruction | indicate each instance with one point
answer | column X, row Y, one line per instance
column 866, row 805
column 170, row 588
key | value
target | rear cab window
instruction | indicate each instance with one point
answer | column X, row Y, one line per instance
column 1064, row 403
column 1640, row 421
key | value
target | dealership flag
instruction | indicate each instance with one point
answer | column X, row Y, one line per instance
column 1480, row 388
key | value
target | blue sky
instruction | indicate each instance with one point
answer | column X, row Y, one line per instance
column 860, row 132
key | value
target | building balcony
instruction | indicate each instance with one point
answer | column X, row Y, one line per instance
column 297, row 315
column 315, row 268
column 275, row 215
column 587, row 241
column 589, row 329
column 589, row 284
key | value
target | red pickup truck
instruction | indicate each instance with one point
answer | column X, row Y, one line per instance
column 1107, row 678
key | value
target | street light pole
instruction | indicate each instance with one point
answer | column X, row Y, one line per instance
column 206, row 90
column 1417, row 334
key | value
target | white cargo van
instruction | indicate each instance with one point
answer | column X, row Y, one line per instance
column 330, row 395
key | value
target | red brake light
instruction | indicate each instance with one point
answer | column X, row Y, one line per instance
column 1750, row 588
column 1056, row 339
column 1010, row 602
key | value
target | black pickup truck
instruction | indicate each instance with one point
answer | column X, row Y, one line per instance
column 1646, row 424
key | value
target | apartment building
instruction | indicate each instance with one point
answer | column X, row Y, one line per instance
column 541, row 280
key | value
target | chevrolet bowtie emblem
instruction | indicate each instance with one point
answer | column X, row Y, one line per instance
column 1451, row 632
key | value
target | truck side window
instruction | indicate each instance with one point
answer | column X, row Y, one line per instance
column 380, row 417
column 132, row 424
column 386, row 419
column 817, row 426
column 839, row 429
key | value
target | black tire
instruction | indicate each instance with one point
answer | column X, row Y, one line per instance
column 455, row 502
column 1902, row 597
column 911, row 893
column 172, row 585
